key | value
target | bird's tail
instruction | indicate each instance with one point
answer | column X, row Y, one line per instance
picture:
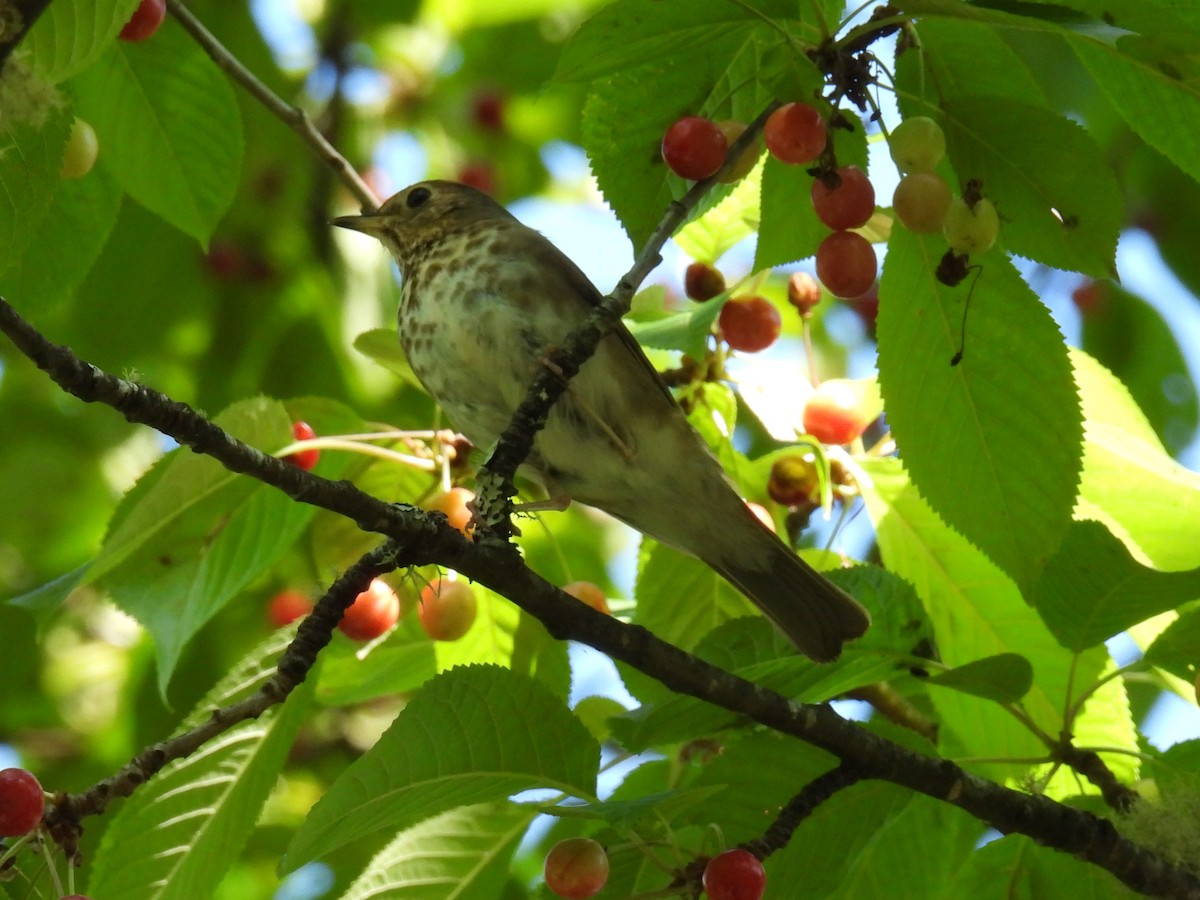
column 814, row 613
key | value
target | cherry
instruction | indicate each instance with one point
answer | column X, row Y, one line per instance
column 917, row 144
column 837, row 411
column 479, row 175
column 372, row 613
column 732, row 129
column 1089, row 297
column 795, row 133
column 794, row 481
column 81, row 151
column 487, row 110
column 921, row 202
column 304, row 459
column 846, row 200
column 803, row 292
column 456, row 504
column 846, row 264
column 589, row 593
column 702, row 282
column 749, row 324
column 447, row 609
column 576, row 868
column 224, row 260
column 694, row 148
column 971, row 228
column 22, row 802
column 146, row 19
column 287, row 606
column 734, row 875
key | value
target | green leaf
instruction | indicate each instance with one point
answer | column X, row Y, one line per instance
column 975, row 436
column 1034, row 163
column 753, row 649
column 169, row 127
column 664, row 806
column 1178, row 648
column 1132, row 340
column 1145, row 16
column 64, row 243
column 681, row 599
column 1015, row 866
column 960, row 59
column 30, row 156
column 1129, row 481
column 185, row 824
column 1092, row 588
column 686, row 331
column 462, row 852
column 393, row 667
column 383, row 346
column 192, row 535
column 1162, row 110
column 625, row 34
column 976, row 612
column 474, row 734
column 1005, row 677
column 732, row 220
column 71, row 34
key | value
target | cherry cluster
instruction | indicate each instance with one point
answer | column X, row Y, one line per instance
column 923, row 202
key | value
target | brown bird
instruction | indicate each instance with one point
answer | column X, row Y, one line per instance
column 483, row 300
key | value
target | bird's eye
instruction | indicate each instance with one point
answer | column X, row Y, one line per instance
column 418, row 196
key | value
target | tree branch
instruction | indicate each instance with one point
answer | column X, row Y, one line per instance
column 427, row 538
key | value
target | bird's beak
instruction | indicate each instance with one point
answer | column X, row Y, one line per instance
column 367, row 224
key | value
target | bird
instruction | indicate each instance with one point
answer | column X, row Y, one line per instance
column 483, row 300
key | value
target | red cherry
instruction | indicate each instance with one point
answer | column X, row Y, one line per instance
column 1089, row 297
column 694, row 148
column 288, row 606
column 305, row 459
column 224, row 260
column 734, row 875
column 487, row 109
column 479, row 175
column 576, row 868
column 702, row 282
column 447, row 609
column 22, row 802
column 456, row 504
column 837, row 411
column 372, row 613
column 795, row 133
column 146, row 19
column 845, row 201
column 588, row 593
column 846, row 264
column 749, row 324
